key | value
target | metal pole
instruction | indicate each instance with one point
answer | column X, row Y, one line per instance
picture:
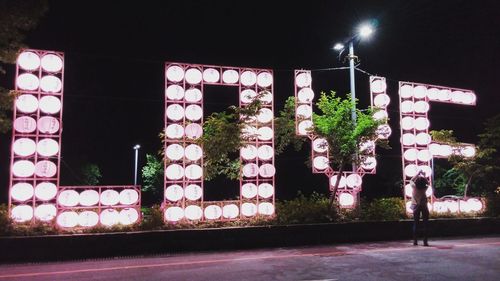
column 136, row 157
column 353, row 88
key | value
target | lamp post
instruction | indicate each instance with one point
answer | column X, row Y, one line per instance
column 136, row 148
column 363, row 32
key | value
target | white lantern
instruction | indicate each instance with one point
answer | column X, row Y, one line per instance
column 193, row 152
column 89, row 197
column 408, row 139
column 424, row 155
column 50, row 104
column 305, row 95
column 420, row 92
column 354, row 180
column 67, row 219
column 445, row 150
column 193, row 212
column 421, row 107
column 320, row 145
column 193, row 131
column 174, row 193
column 407, row 106
column 265, row 115
column 383, row 131
column 128, row 216
column 381, row 100
column 230, row 211
column 320, row 162
column 88, row 219
column 174, row 131
column 52, row 63
column 266, row 190
column 193, row 76
column 406, row 91
column 175, row 152
column 45, row 169
column 428, row 191
column 193, row 192
column 305, row 126
column 21, row 191
column 174, row 214
column 23, row 169
column 129, row 196
column 28, row 82
column 342, row 183
column 435, row 149
column 25, row 124
column 426, row 169
column 248, row 78
column 367, row 146
column 27, row 103
column 266, row 208
column 432, row 93
column 410, row 154
column 175, row 73
column 380, row 115
column 451, row 205
column 24, row 147
column 194, row 172
column 304, row 111
column 174, row 92
column 422, row 123
column 193, row 95
column 248, row 190
column 110, row 197
column 175, row 112
column 303, row 79
column 468, row 151
column 211, row 75
column 174, row 172
column 48, row 125
column 369, row 163
column 410, row 170
column 28, row 60
column 249, row 131
column 109, row 217
column 230, row 76
column 45, row 212
column 264, row 79
column 194, row 112
column 265, row 133
column 266, row 97
column 444, row 95
column 22, row 213
column 247, row 96
column 51, row 84
column 423, row 138
column 378, row 86
column 248, row 209
column 248, row 152
column 213, row 212
column 408, row 190
column 475, row 205
column 47, row 147
column 45, row 191
column 265, row 152
column 346, row 199
column 407, row 123
column 68, row 198
column 469, row 98
column 267, row 170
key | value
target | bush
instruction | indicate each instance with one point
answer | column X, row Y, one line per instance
column 302, row 209
column 5, row 221
column 493, row 205
column 384, row 209
column 152, row 218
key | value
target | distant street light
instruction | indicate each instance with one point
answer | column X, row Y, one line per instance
column 136, row 148
column 364, row 31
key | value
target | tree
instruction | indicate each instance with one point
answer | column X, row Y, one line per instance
column 284, row 128
column 16, row 19
column 152, row 177
column 342, row 134
column 91, row 174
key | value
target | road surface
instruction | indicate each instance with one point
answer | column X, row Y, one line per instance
column 471, row 258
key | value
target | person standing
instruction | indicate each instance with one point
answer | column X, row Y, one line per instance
column 419, row 184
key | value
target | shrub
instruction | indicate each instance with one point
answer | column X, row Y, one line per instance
column 493, row 205
column 5, row 221
column 152, row 218
column 383, row 209
column 302, row 209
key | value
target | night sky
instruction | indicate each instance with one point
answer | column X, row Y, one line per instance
column 115, row 54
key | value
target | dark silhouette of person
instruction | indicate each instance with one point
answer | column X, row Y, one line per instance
column 419, row 184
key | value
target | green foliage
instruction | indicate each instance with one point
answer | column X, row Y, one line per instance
column 444, row 136
column 384, row 209
column 5, row 221
column 449, row 181
column 91, row 174
column 303, row 209
column 152, row 177
column 284, row 128
column 153, row 219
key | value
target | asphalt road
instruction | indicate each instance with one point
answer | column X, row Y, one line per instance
column 471, row 258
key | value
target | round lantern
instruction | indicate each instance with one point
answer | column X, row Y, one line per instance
column 22, row 213
column 248, row 78
column 174, row 193
column 51, row 84
column 23, row 169
column 267, row 170
column 369, row 163
column 410, row 154
column 212, row 212
column 174, row 92
column 264, row 79
column 248, row 209
column 266, row 97
column 320, row 162
column 304, row 111
column 24, row 147
column 27, row 82
column 52, row 63
column 333, row 181
column 89, row 197
column 193, row 95
column 230, row 211
column 305, row 95
column 380, row 115
column 175, row 73
column 129, row 196
column 175, row 112
column 407, row 107
column 194, row 112
column 320, row 145
column 422, row 123
column 21, row 191
column 193, row 76
column 346, row 199
column 383, row 131
column 194, row 172
column 354, row 180
column 193, row 131
column 193, row 152
column 174, row 214
column 265, row 133
column 265, row 152
column 27, row 103
column 407, row 123
column 249, row 190
column 305, row 126
column 424, row 155
column 45, row 212
column 230, row 76
column 265, row 115
column 211, row 75
column 421, row 107
column 25, row 124
column 406, row 91
column 88, row 219
column 174, row 172
column 109, row 217
column 193, row 212
column 45, row 191
column 50, row 104
column 193, row 192
column 174, row 131
column 28, row 60
column 444, row 95
column 410, row 170
column 433, row 93
column 266, row 208
column 381, row 100
column 110, row 197
column 47, row 147
column 68, row 198
column 423, row 139
column 45, row 169
column 408, row 139
column 420, row 92
column 409, row 190
column 266, row 190
column 247, row 96
column 48, row 125
column 128, row 216
column 250, row 170
column 303, row 79
column 175, row 152
column 68, row 219
column 378, row 86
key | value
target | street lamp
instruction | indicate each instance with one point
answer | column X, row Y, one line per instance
column 136, row 148
column 363, row 32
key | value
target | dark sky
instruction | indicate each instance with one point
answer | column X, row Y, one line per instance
column 115, row 53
